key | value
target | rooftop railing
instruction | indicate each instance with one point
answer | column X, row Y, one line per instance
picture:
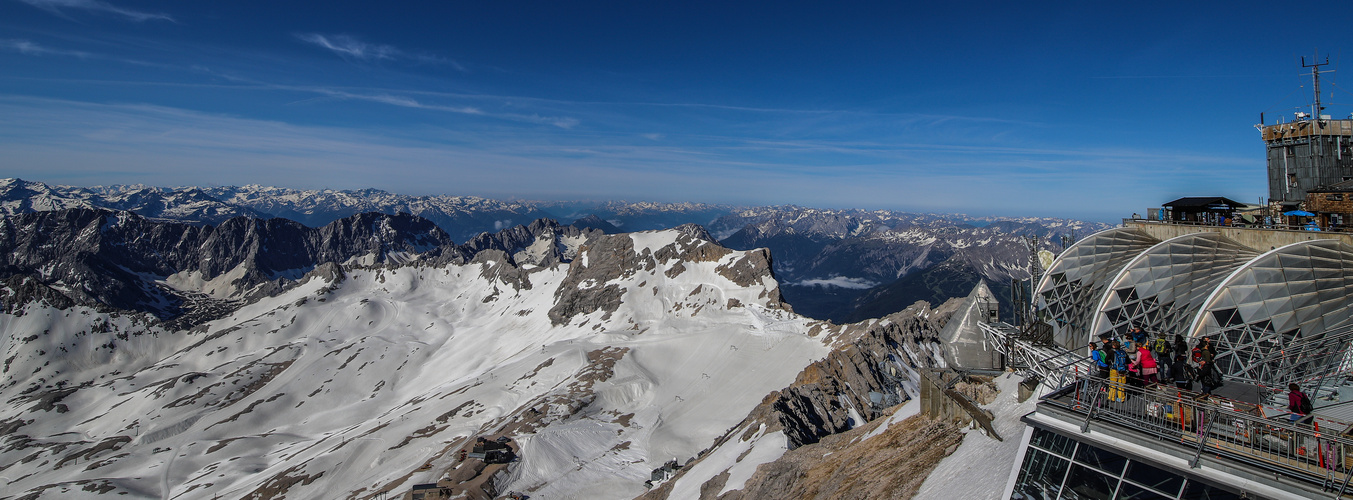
column 1315, row 450
column 1243, row 225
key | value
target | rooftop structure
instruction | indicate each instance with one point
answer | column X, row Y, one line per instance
column 1310, row 151
column 1254, row 304
column 1168, row 444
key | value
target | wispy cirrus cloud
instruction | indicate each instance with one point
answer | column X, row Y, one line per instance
column 32, row 48
column 355, row 49
column 59, row 7
column 348, row 47
column 408, row 102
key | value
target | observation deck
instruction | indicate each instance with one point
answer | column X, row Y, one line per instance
column 1193, row 446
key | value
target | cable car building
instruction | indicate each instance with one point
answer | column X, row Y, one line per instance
column 1253, row 305
column 1276, row 304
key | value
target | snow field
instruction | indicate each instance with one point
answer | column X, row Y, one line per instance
column 351, row 390
column 980, row 466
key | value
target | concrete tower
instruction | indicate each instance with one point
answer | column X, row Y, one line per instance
column 1310, row 151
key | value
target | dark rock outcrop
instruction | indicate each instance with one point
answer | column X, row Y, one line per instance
column 117, row 259
column 594, row 222
column 518, row 242
column 819, row 402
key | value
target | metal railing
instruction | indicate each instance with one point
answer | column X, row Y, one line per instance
column 1051, row 363
column 1315, row 450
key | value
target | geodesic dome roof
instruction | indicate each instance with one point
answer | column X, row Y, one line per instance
column 1275, row 317
column 1074, row 284
column 1280, row 305
column 1161, row 289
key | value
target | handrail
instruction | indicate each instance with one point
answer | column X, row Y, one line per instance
column 1051, row 363
column 1247, row 433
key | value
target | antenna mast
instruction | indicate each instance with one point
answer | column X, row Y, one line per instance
column 1315, row 77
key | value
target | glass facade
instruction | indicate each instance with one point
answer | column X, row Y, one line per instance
column 1058, row 467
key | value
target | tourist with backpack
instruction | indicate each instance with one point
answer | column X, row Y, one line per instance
column 1160, row 350
column 1100, row 357
column 1183, row 373
column 1298, row 403
column 1117, row 373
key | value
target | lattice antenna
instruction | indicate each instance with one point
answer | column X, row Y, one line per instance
column 1315, row 79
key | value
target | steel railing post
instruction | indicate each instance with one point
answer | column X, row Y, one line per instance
column 1204, row 430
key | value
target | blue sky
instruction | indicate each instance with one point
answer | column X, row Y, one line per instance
column 1081, row 109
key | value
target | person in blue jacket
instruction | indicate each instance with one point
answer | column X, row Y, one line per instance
column 1101, row 363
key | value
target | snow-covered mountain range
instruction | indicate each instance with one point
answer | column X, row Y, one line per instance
column 837, row 264
column 354, row 360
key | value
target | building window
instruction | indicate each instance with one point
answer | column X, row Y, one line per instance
column 1335, row 197
column 1096, row 473
column 1040, row 477
column 1154, row 478
column 1053, row 442
column 1084, row 482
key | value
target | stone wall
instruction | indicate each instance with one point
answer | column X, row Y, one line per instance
column 1262, row 240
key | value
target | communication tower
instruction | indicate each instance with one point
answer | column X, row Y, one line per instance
column 1310, row 151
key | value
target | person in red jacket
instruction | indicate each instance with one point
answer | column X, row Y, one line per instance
column 1148, row 364
column 1297, row 403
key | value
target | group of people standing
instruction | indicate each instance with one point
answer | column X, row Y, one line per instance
column 1140, row 361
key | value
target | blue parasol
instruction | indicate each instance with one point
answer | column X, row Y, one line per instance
column 1299, row 213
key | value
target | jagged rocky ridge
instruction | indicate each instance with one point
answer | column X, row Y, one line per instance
column 124, row 261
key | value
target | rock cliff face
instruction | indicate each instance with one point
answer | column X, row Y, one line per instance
column 868, row 372
column 543, row 242
column 878, row 359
